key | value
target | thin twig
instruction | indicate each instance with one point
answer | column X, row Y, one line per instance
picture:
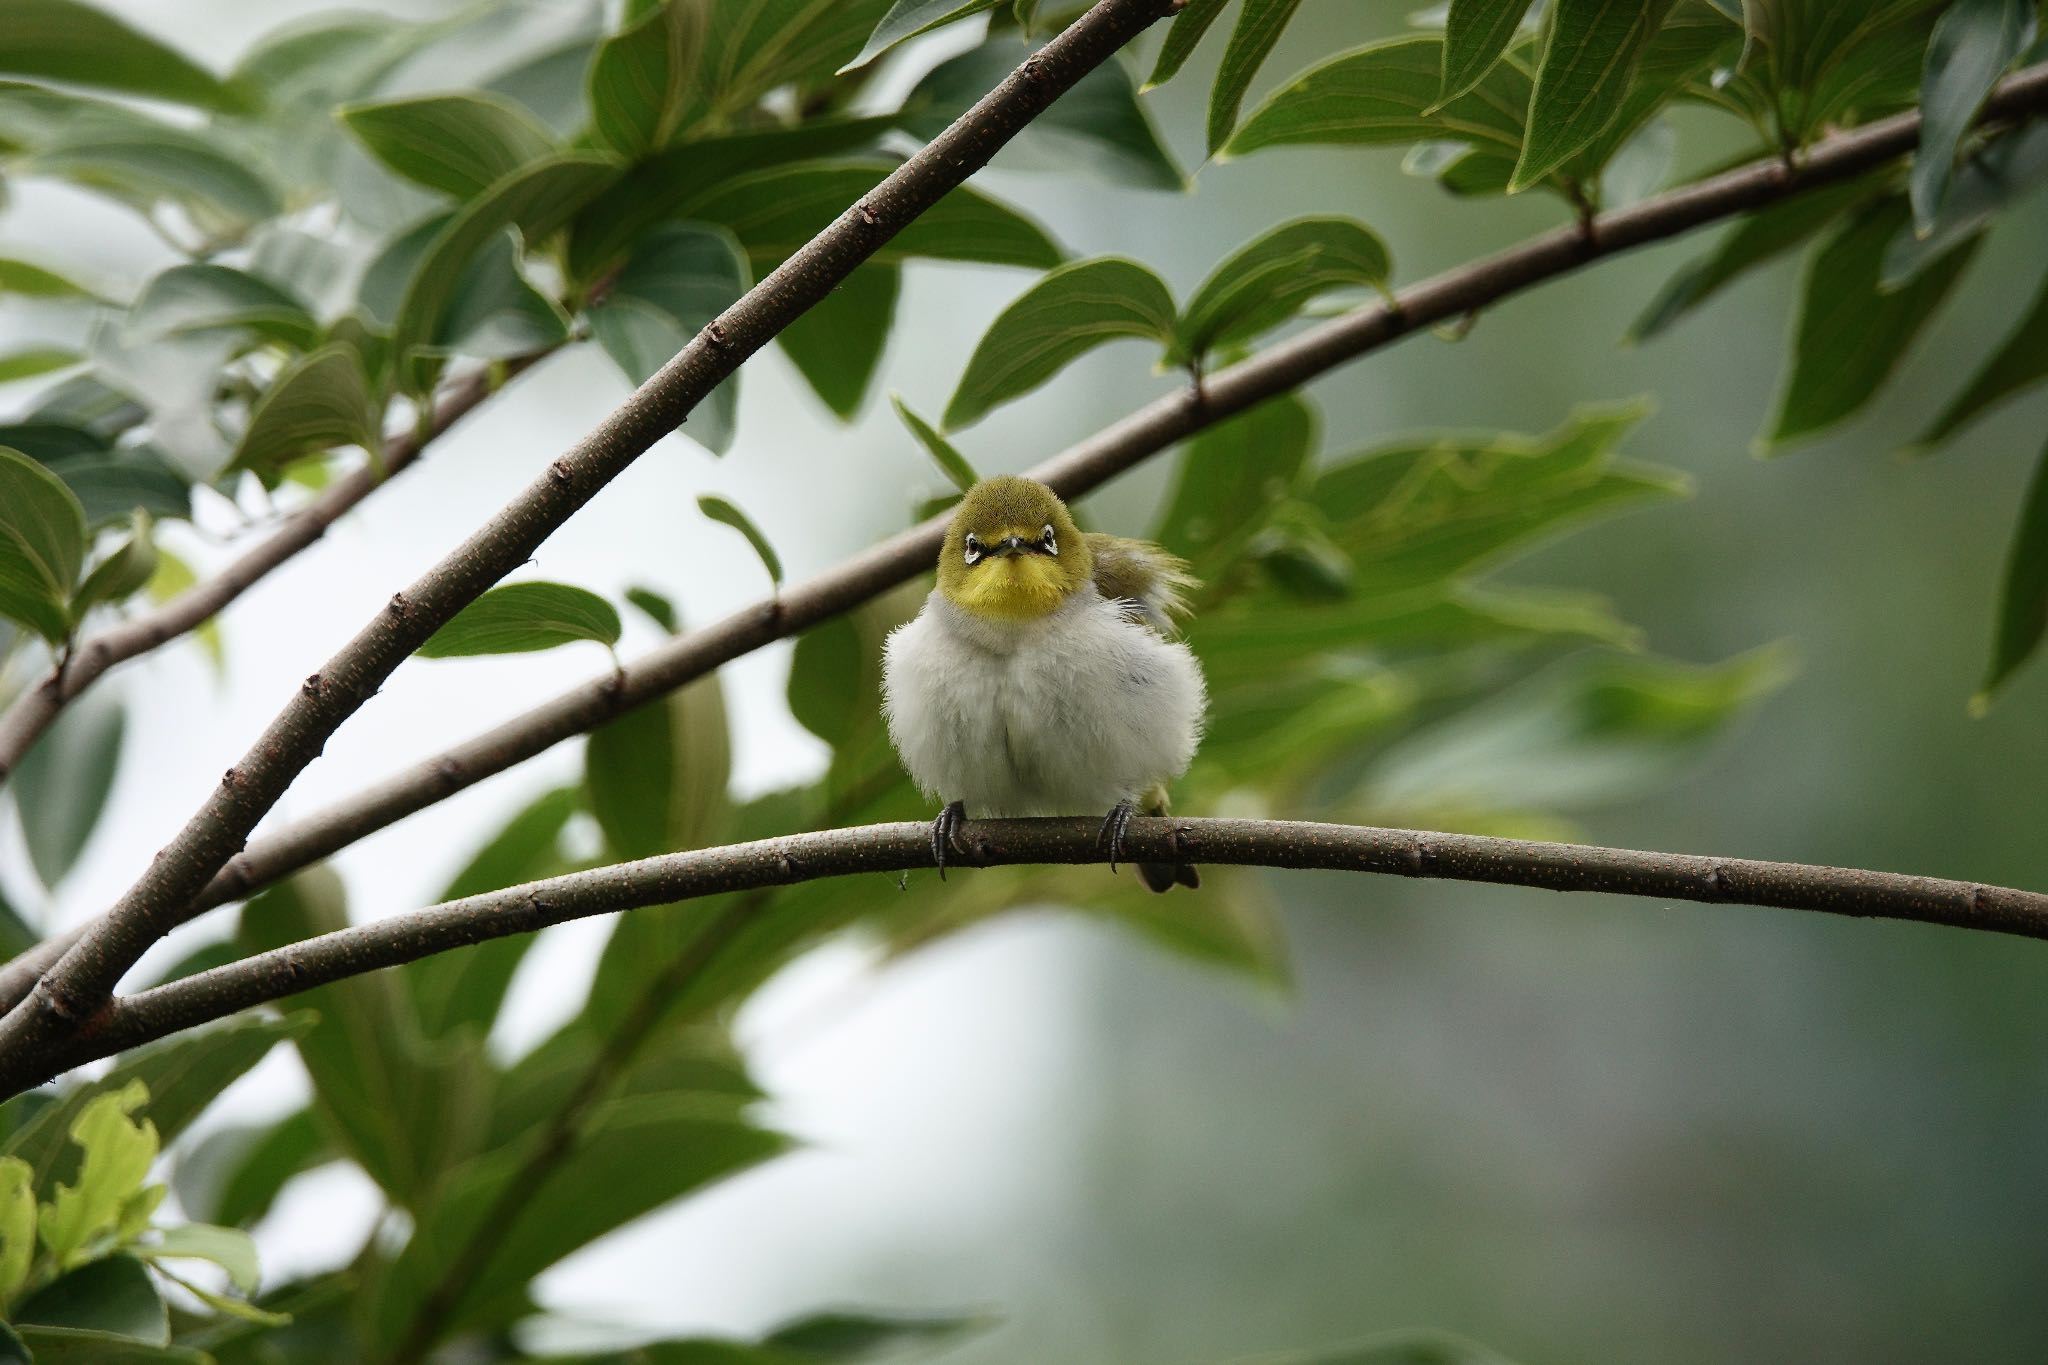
column 36, row 709
column 77, row 989
column 887, row 848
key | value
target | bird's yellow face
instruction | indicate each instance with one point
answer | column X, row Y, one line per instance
column 1012, row 551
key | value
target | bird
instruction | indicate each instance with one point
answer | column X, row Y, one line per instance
column 1042, row 676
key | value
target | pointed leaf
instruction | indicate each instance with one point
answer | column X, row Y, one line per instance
column 72, row 1346
column 143, row 169
column 459, row 144
column 657, row 776
column 2023, row 597
column 518, row 618
column 1065, row 315
column 859, row 1336
column 33, row 281
column 17, row 1225
column 42, row 545
column 1182, row 37
column 123, row 573
column 2008, row 170
column 1259, row 25
column 199, row 298
column 235, row 1174
column 679, row 278
column 944, row 453
column 719, row 510
column 2020, row 363
column 837, row 345
column 1852, row 335
column 1272, row 278
column 908, row 18
column 496, row 312
column 642, row 83
column 30, row 361
column 1476, row 33
column 1974, row 42
column 232, row 1249
column 1230, row 479
column 1386, row 93
column 1590, row 51
column 83, row 45
column 318, row 402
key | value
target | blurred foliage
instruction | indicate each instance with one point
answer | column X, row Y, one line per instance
column 346, row 243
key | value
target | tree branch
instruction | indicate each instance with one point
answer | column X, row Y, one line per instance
column 903, row 846
column 1142, row 434
column 35, row 710
column 76, row 990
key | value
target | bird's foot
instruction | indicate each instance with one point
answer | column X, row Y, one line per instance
column 1113, row 826
column 943, row 831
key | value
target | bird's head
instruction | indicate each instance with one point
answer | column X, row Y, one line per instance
column 1012, row 551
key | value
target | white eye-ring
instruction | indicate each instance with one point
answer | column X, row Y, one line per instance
column 1049, row 541
column 973, row 549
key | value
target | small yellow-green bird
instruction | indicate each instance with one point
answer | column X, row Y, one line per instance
column 1041, row 676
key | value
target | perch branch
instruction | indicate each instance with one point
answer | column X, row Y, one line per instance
column 211, row 995
column 77, row 989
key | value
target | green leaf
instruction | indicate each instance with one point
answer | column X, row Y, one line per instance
column 1387, row 93
column 1182, row 37
column 68, row 1346
column 125, row 571
column 42, row 545
column 144, row 169
column 837, row 344
column 114, row 1295
column 641, row 85
column 2023, row 597
column 1273, row 278
column 655, row 607
column 684, row 1058
column 182, row 1076
column 17, row 1225
column 1590, row 731
column 406, row 1113
column 537, row 200
column 908, row 18
column 232, row 1249
column 655, row 191
column 679, row 278
column 944, row 453
column 2009, row 169
column 2020, row 362
column 13, row 1350
column 1231, row 478
column 63, row 782
column 450, row 990
column 775, row 212
column 824, row 675
column 517, row 618
column 316, row 403
column 1098, row 125
column 33, row 281
column 860, row 1336
column 113, row 484
column 657, row 776
column 1400, row 1348
column 1476, row 33
column 201, row 298
column 1974, row 42
column 496, row 312
column 1830, row 61
column 1852, row 334
column 1070, row 312
column 235, row 1174
column 1753, row 240
column 30, row 361
column 459, row 144
column 1589, row 56
column 80, row 45
column 753, row 48
column 630, row 1157
column 1259, row 25
column 719, row 510
column 117, row 1151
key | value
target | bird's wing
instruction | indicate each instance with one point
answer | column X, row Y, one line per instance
column 1153, row 582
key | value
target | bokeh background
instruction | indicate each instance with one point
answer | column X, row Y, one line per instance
column 1575, row 1128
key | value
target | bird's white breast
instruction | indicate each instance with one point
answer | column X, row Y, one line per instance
column 1067, row 714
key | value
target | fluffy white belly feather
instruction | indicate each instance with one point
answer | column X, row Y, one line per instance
column 1065, row 715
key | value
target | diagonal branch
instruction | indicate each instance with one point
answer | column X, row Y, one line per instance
column 24, row 722
column 76, row 990
column 196, row 1000
column 1142, row 434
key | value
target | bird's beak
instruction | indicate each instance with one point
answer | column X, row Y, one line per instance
column 1010, row 545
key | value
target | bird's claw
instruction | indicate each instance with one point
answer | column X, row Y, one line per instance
column 1113, row 826
column 943, row 831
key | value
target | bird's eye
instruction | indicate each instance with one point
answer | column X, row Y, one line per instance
column 973, row 549
column 1049, row 541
